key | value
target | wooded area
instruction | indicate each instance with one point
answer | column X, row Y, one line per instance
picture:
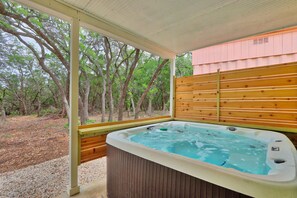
column 114, row 77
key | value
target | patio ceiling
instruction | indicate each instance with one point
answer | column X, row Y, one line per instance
column 170, row 27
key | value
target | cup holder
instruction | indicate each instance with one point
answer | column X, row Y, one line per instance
column 279, row 161
column 231, row 128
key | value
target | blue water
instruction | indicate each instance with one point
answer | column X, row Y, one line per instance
column 212, row 146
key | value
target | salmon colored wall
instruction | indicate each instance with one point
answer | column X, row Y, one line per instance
column 267, row 49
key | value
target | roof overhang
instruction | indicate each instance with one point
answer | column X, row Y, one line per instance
column 170, row 27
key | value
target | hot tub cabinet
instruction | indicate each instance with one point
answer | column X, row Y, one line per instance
column 131, row 176
column 134, row 170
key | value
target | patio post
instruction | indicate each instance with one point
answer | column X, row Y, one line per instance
column 172, row 86
column 73, row 120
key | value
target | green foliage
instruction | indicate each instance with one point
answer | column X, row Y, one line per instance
column 36, row 22
column 30, row 84
column 14, row 113
column 66, row 126
column 89, row 121
column 48, row 111
column 184, row 65
column 6, row 25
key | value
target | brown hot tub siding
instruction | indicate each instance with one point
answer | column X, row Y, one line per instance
column 130, row 176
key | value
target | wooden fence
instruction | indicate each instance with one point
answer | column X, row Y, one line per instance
column 92, row 137
column 263, row 97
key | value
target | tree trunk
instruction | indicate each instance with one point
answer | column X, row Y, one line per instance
column 99, row 74
column 111, row 106
column 108, row 56
column 86, row 108
column 66, row 106
column 149, row 109
column 84, row 99
column 128, row 112
column 164, row 107
column 163, row 100
column 103, row 100
column 133, row 105
column 23, row 107
column 3, row 113
column 85, row 111
column 82, row 117
column 63, row 113
column 3, row 116
column 141, row 99
column 67, row 86
column 22, row 97
column 93, row 103
column 38, row 107
column 126, row 84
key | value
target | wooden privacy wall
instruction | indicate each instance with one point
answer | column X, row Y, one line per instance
column 263, row 96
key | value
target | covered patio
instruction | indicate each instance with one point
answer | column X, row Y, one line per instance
column 165, row 28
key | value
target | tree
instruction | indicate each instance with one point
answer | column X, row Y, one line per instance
column 113, row 77
column 184, row 65
column 141, row 99
column 128, row 77
column 27, row 25
column 2, row 89
column 48, row 39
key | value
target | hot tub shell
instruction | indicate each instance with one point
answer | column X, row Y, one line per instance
column 134, row 169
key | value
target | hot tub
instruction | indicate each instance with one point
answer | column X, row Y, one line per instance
column 185, row 159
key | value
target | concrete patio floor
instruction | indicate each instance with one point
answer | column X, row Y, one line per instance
column 93, row 190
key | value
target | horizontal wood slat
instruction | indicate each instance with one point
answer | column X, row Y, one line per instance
column 269, row 94
column 92, row 148
column 119, row 122
column 261, row 114
column 259, row 104
column 197, row 78
column 196, row 104
column 258, row 72
column 264, row 96
column 260, row 82
column 258, row 122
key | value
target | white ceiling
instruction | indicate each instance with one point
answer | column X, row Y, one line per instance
column 178, row 26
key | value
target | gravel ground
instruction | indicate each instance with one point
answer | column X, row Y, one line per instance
column 48, row 179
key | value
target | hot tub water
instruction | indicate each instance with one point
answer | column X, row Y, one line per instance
column 221, row 148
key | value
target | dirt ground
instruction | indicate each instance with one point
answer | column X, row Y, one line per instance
column 29, row 140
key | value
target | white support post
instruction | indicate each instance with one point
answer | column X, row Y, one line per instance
column 73, row 125
column 172, row 88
